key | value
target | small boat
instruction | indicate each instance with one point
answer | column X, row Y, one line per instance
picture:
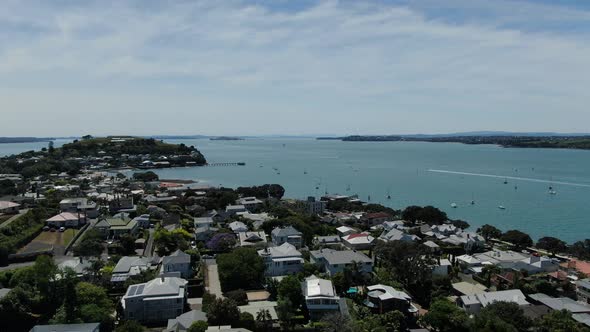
column 472, row 202
column 454, row 205
column 552, row 192
column 505, row 181
column 501, row 207
column 304, row 171
column 388, row 196
column 369, row 198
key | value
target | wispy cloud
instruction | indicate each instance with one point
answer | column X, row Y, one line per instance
column 359, row 67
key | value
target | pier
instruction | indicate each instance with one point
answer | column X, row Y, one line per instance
column 226, row 164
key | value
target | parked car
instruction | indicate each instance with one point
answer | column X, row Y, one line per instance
column 62, row 229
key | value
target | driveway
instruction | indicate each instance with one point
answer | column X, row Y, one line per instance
column 212, row 284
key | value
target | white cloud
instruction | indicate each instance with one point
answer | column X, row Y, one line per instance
column 356, row 67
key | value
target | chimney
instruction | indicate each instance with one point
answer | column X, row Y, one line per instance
column 162, row 277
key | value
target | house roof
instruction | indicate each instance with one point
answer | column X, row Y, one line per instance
column 579, row 265
column 7, row 205
column 184, row 321
column 359, row 238
column 177, row 257
column 284, row 250
column 127, row 262
column 159, row 287
column 560, row 303
column 316, row 287
column 285, row 231
column 237, row 226
column 384, row 292
column 397, row 235
column 88, row 327
column 247, row 238
column 511, row 295
column 62, row 217
column 334, row 257
column 467, row 288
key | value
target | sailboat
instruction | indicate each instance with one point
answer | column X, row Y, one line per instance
column 454, row 205
column 551, row 190
column 501, row 207
column 472, row 199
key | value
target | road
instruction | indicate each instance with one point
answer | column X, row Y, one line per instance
column 212, row 284
column 149, row 246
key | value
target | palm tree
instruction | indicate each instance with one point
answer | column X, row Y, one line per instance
column 264, row 318
column 489, row 271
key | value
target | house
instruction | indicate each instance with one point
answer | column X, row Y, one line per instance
column 397, row 235
column 252, row 238
column 333, row 261
column 183, row 322
column 238, row 226
column 203, row 221
column 86, row 327
column 359, row 241
column 203, row 234
column 77, row 264
column 442, row 268
column 468, row 261
column 345, row 230
column 79, row 205
column 281, row 260
column 536, row 264
column 320, row 296
column 129, row 266
column 9, row 207
column 233, row 209
column 432, row 247
column 115, row 227
column 467, row 288
column 258, row 219
column 122, row 204
column 329, row 240
column 473, row 304
column 575, row 266
column 66, row 219
column 506, row 259
column 583, row 290
column 314, row 207
column 376, row 218
column 155, row 301
column 560, row 303
column 177, row 264
column 143, row 220
column 287, row 234
column 250, row 203
column 468, row 240
column 445, row 229
column 381, row 299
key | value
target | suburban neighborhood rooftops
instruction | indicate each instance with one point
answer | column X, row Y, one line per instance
column 285, row 231
column 384, row 292
column 511, row 295
column 125, row 264
column 335, row 257
column 177, row 257
column 284, row 250
column 561, row 303
column 88, row 327
column 466, row 288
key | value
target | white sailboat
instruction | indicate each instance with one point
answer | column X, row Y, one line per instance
column 454, row 205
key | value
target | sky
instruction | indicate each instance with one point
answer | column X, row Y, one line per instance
column 277, row 67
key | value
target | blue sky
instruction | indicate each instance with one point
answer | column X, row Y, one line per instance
column 293, row 67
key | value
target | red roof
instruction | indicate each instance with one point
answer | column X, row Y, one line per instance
column 169, row 185
column 376, row 215
column 580, row 266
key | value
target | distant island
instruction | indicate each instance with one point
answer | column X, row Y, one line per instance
column 101, row 154
column 24, row 139
column 524, row 141
column 226, row 138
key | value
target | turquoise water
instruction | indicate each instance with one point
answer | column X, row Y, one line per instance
column 416, row 173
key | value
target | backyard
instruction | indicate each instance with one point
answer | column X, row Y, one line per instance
column 46, row 240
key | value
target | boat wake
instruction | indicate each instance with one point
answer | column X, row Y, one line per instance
column 511, row 178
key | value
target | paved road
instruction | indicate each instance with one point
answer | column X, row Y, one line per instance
column 212, row 284
column 13, row 218
column 149, row 246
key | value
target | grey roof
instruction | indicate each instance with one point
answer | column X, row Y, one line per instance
column 285, row 231
column 177, row 257
column 328, row 239
column 168, row 286
column 284, row 250
column 511, row 295
column 88, row 327
column 127, row 262
column 560, row 303
column 184, row 321
column 341, row 257
column 582, row 318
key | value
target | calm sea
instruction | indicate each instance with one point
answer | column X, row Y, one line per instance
column 412, row 173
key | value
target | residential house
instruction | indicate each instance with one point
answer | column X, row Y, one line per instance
column 85, row 327
column 442, row 268
column 238, row 226
column 345, row 230
column 155, row 301
column 333, row 261
column 536, row 264
column 287, row 234
column 203, row 234
column 143, row 220
column 123, row 204
column 178, row 264
column 234, row 209
column 560, row 303
column 445, row 229
column 79, row 205
column 432, row 247
column 468, row 240
column 115, row 227
column 203, row 221
column 183, row 322
column 314, row 207
column 128, row 266
column 466, row 288
column 258, row 219
column 473, row 304
column 252, row 238
column 320, row 297
column 397, row 235
column 328, row 241
column 382, row 299
column 7, row 207
column 506, row 259
column 281, row 260
column 66, row 219
column 376, row 218
column 77, row 264
column 583, row 290
column 250, row 203
column 359, row 241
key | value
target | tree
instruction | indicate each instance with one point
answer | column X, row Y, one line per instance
column 552, row 244
column 198, row 326
column 460, row 224
column 238, row 295
column 148, row 176
column 264, row 320
column 91, row 244
column 290, row 288
column 242, row 268
column 580, row 249
column 509, row 312
column 559, row 321
column 336, row 322
column 489, row 232
column 445, row 316
column 247, row 321
column 127, row 242
column 489, row 271
column 221, row 242
column 341, row 283
column 130, row 326
column 285, row 312
column 519, row 239
column 223, row 312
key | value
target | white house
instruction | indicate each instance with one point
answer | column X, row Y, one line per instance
column 252, row 238
column 8, row 207
column 281, row 260
column 177, row 264
column 128, row 266
column 287, row 234
column 81, row 205
column 333, row 261
column 360, row 241
column 238, row 226
column 397, row 235
column 250, row 203
column 66, row 219
column 155, row 301
column 474, row 303
column 320, row 296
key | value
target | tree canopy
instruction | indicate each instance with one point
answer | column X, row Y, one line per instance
column 519, row 239
column 241, row 268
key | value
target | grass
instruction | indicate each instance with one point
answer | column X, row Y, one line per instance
column 56, row 238
column 3, row 218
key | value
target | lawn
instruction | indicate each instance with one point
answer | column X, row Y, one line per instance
column 3, row 218
column 47, row 240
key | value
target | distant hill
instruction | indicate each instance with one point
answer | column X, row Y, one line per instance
column 24, row 139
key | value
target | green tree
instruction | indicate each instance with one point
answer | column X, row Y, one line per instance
column 290, row 288
column 445, row 316
column 552, row 245
column 519, row 239
column 559, row 321
column 247, row 321
column 223, row 312
column 285, row 312
column 130, row 326
column 199, row 326
column 242, row 268
column 489, row 232
column 509, row 312
column 264, row 320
